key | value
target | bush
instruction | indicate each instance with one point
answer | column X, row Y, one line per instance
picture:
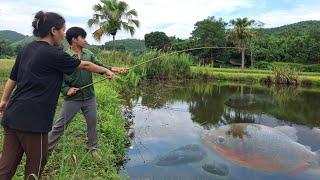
column 285, row 75
column 262, row 65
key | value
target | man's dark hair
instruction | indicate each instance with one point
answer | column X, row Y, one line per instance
column 75, row 32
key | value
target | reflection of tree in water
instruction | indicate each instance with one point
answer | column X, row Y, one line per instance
column 236, row 116
column 285, row 94
column 238, row 105
column 237, row 131
column 160, row 95
column 295, row 105
column 206, row 102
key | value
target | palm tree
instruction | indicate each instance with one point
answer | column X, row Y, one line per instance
column 240, row 34
column 112, row 16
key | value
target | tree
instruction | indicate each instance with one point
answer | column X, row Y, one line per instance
column 240, row 34
column 5, row 48
column 156, row 40
column 112, row 16
column 210, row 32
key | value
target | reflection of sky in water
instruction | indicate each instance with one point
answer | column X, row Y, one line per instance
column 159, row 131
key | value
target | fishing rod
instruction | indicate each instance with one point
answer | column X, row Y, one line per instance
column 159, row 57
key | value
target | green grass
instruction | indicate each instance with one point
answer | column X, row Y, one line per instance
column 247, row 75
column 70, row 159
column 5, row 68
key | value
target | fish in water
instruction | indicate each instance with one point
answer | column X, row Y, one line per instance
column 219, row 169
column 183, row 155
column 261, row 148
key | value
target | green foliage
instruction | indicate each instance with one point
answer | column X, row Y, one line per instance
column 112, row 16
column 210, row 32
column 285, row 75
column 251, row 75
column 94, row 49
column 24, row 41
column 156, row 40
column 302, row 27
column 117, row 58
column 289, row 44
column 70, row 159
column 131, row 45
column 263, row 65
column 241, row 35
column 167, row 67
column 5, row 49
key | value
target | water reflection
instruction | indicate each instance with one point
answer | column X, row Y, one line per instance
column 172, row 115
column 207, row 102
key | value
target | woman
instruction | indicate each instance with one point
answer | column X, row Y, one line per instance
column 37, row 75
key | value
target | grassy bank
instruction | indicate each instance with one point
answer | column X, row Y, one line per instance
column 5, row 68
column 70, row 159
column 247, row 75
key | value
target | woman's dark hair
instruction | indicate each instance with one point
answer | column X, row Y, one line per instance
column 75, row 32
column 44, row 21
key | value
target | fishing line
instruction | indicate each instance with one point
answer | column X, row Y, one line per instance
column 156, row 58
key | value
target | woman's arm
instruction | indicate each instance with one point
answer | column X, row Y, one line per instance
column 8, row 88
column 91, row 67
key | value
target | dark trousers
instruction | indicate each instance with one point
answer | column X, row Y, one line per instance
column 15, row 144
column 68, row 110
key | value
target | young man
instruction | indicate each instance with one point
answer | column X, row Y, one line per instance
column 75, row 99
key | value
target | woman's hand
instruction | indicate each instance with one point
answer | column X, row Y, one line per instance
column 3, row 105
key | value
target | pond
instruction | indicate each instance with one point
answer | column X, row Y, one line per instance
column 172, row 120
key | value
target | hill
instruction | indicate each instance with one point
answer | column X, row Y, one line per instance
column 302, row 27
column 131, row 45
column 11, row 36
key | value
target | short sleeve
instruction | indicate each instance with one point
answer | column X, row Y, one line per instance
column 64, row 63
column 15, row 68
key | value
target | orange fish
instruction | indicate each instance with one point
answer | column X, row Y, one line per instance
column 261, row 148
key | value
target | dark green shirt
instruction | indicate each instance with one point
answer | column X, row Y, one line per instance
column 80, row 78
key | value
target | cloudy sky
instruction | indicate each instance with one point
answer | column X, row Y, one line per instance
column 174, row 17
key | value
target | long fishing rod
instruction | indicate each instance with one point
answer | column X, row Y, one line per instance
column 153, row 59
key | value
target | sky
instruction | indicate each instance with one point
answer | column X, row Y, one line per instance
column 174, row 17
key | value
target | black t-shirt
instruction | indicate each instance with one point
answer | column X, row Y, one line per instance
column 38, row 71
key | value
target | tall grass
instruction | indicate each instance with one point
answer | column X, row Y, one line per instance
column 168, row 67
column 285, row 75
column 5, row 68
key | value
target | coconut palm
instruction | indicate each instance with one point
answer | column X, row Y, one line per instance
column 111, row 16
column 241, row 33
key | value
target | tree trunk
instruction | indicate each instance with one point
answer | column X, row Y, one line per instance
column 252, row 59
column 212, row 60
column 114, row 48
column 242, row 61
